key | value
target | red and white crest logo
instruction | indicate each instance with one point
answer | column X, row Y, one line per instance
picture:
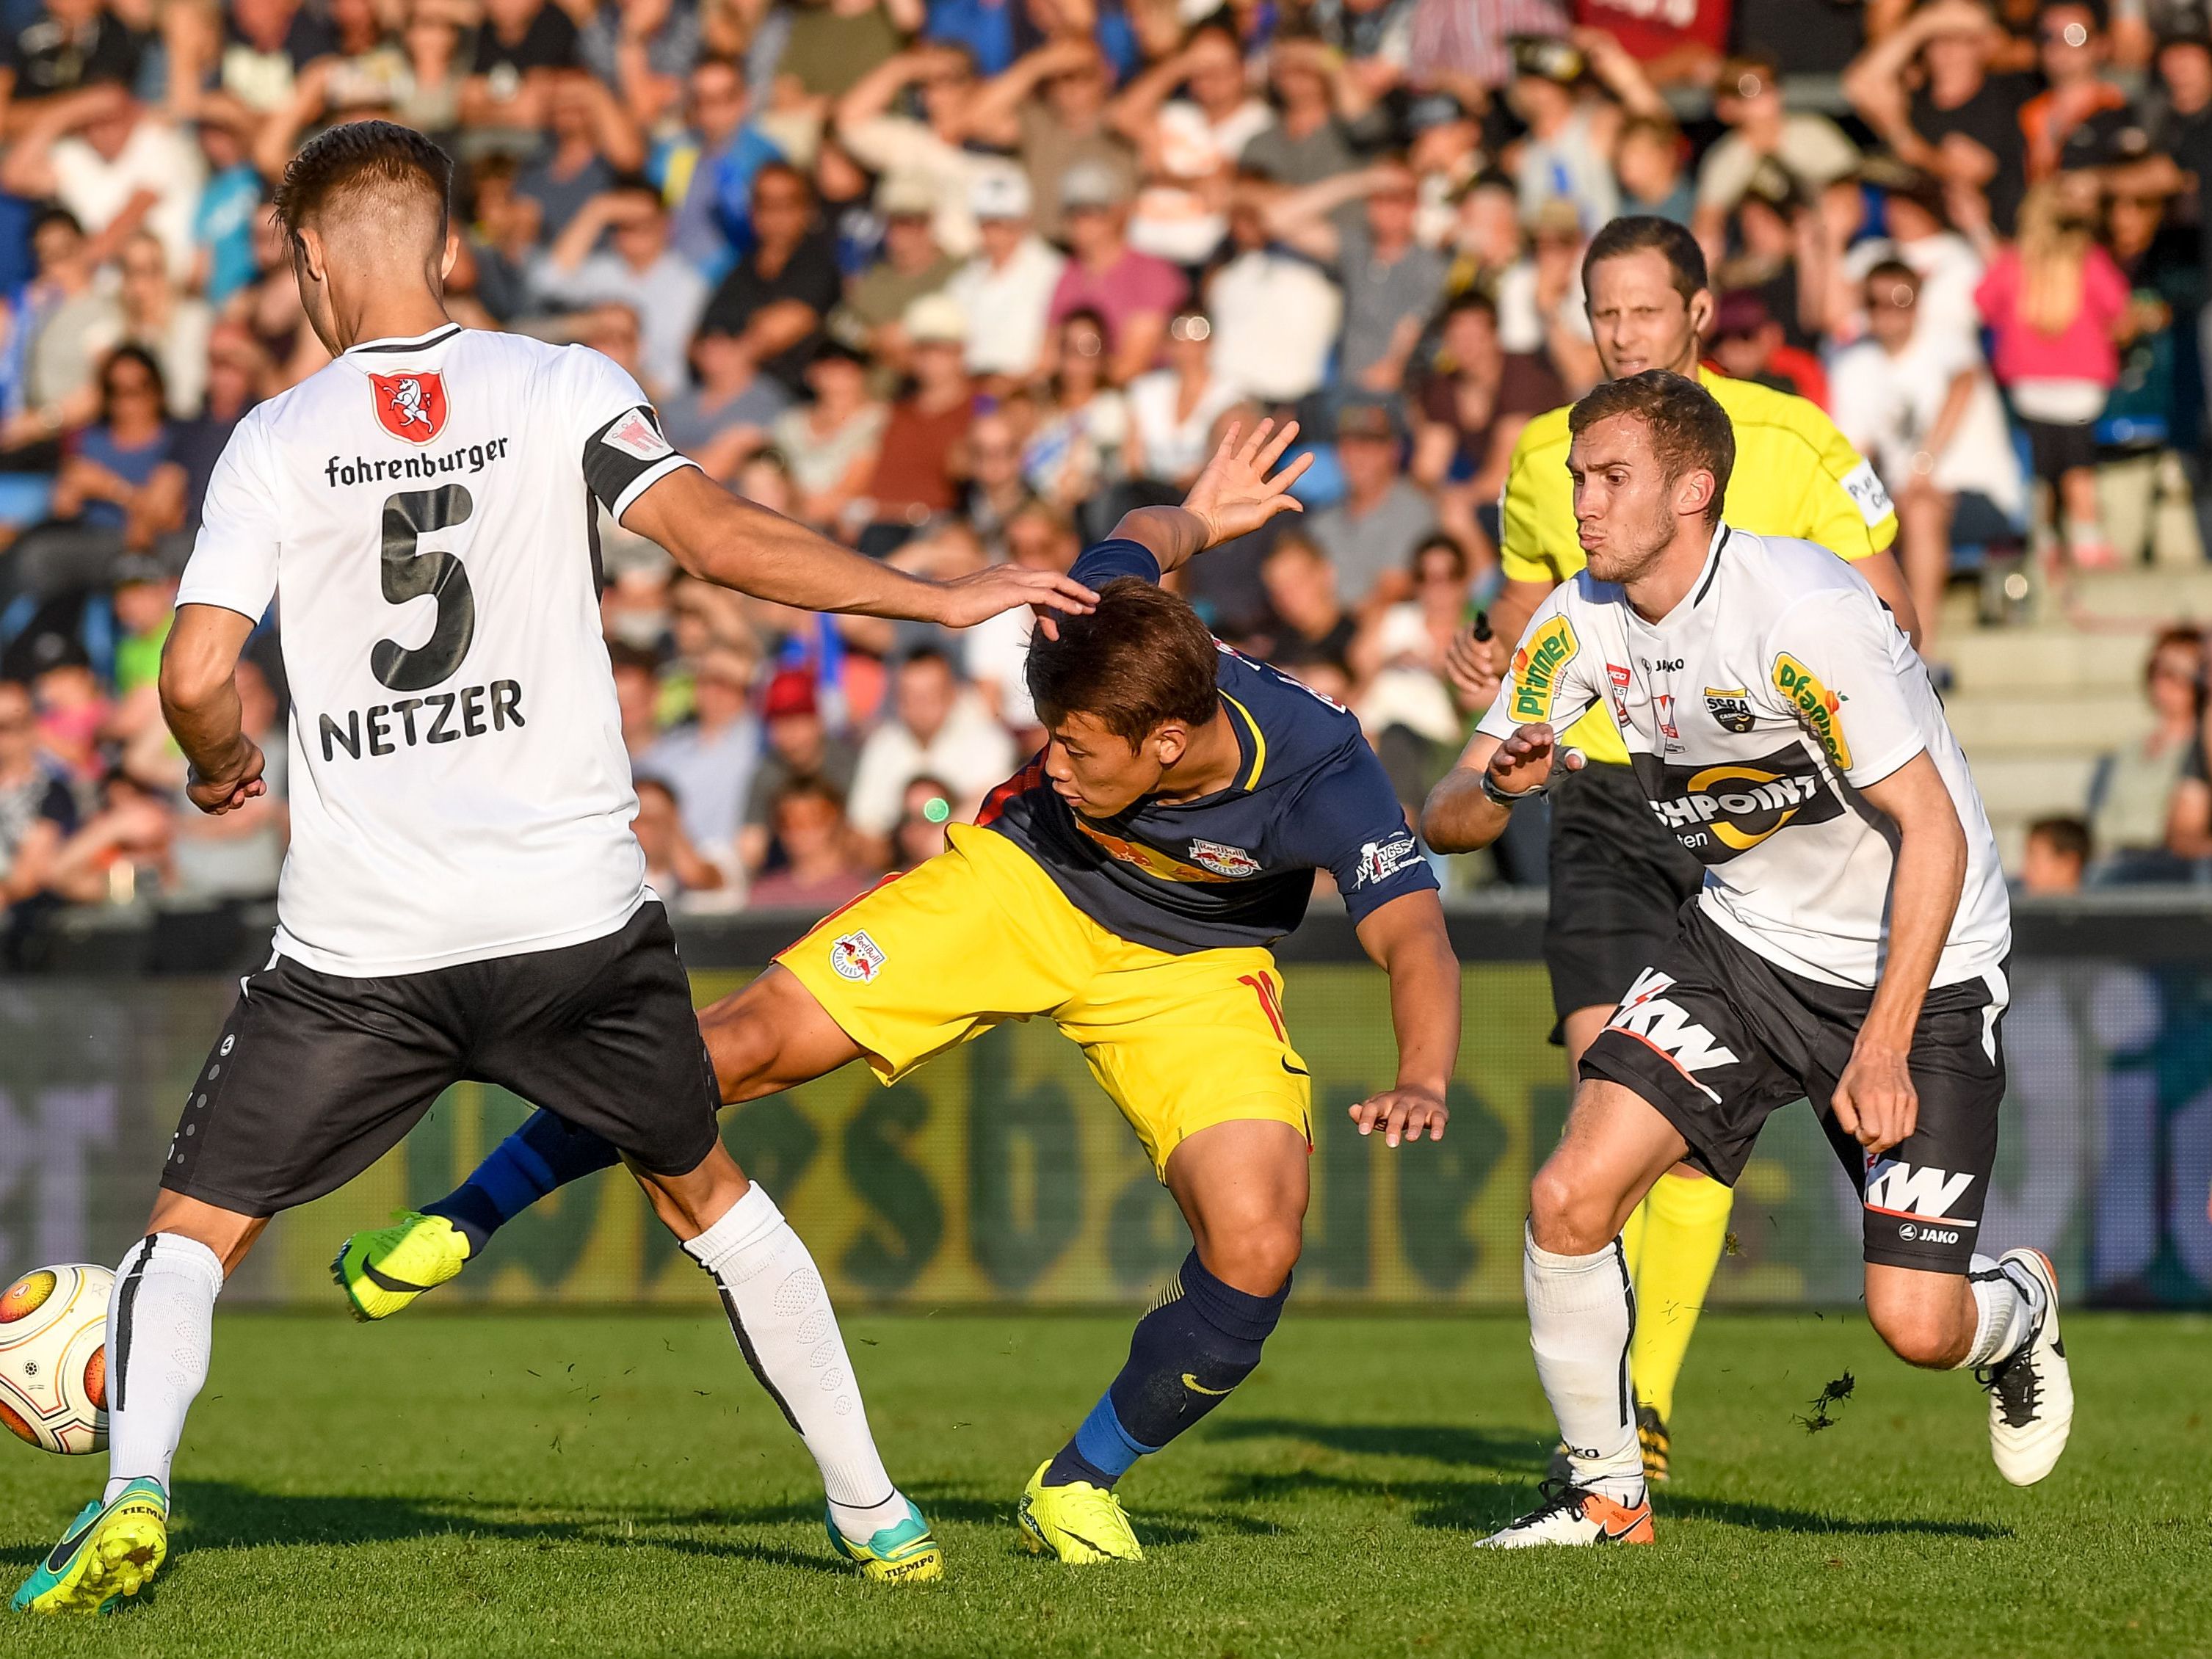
column 410, row 406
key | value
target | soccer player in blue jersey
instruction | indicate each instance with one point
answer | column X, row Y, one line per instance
column 1128, row 884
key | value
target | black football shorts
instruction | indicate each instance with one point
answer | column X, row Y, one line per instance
column 1716, row 1038
column 316, row 1075
column 1619, row 882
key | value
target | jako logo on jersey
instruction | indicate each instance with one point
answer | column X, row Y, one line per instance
column 410, row 406
column 1896, row 1188
column 1817, row 707
column 1379, row 861
column 1730, row 709
column 856, row 956
column 1224, row 860
column 1662, row 1026
column 1536, row 669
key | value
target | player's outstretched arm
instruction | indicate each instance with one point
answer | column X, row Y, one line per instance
column 1408, row 940
column 199, row 700
column 1462, row 815
column 1874, row 1100
column 732, row 543
column 1233, row 497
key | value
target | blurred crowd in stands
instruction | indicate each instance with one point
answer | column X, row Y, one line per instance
column 958, row 281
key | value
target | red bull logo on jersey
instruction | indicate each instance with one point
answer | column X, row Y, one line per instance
column 410, row 406
column 1536, row 668
column 1817, row 707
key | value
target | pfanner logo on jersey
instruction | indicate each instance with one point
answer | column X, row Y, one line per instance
column 410, row 406
column 1817, row 707
column 1536, row 668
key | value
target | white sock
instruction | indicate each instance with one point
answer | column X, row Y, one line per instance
column 787, row 1331
column 2006, row 1309
column 159, row 1323
column 1582, row 1311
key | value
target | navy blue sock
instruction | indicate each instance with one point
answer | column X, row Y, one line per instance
column 542, row 1155
column 1197, row 1344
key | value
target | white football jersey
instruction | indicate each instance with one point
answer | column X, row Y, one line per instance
column 1753, row 713
column 422, row 510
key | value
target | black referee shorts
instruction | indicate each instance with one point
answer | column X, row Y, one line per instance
column 1716, row 1038
column 316, row 1075
column 1619, row 883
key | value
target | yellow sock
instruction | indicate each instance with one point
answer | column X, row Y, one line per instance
column 1631, row 1238
column 1684, row 1226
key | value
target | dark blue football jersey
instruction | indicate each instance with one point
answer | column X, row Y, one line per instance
column 1234, row 867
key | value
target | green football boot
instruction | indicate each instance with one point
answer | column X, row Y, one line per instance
column 905, row 1553
column 110, row 1552
column 382, row 1270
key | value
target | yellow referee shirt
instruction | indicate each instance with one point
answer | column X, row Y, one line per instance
column 1796, row 475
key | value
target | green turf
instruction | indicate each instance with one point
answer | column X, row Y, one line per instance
column 572, row 1485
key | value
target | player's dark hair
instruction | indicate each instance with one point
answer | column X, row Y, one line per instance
column 1641, row 232
column 2068, row 836
column 1687, row 427
column 362, row 155
column 1140, row 660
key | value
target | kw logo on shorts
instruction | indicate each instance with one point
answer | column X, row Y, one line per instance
column 1666, row 1028
column 856, row 956
column 1718, row 812
column 1536, row 668
column 1896, row 1188
column 1817, row 707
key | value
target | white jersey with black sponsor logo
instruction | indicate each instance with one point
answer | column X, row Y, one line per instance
column 1752, row 714
column 422, row 510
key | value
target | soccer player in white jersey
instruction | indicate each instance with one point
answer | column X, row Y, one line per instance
column 1849, row 943
column 463, row 897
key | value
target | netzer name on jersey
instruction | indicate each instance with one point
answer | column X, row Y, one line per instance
column 462, row 458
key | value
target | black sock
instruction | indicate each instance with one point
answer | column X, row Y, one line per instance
column 1196, row 1344
column 544, row 1154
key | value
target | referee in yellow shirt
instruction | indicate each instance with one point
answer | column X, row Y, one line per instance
column 1618, row 879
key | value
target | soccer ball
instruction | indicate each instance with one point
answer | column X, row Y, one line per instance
column 53, row 1357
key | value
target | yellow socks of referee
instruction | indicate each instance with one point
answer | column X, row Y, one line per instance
column 1674, row 1242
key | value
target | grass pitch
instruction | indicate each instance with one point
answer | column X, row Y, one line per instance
column 555, row 1485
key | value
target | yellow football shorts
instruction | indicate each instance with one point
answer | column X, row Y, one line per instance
column 980, row 934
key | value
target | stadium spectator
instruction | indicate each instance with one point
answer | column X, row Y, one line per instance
column 2052, row 302
column 523, row 49
column 1190, row 143
column 726, row 415
column 2136, row 791
column 705, row 170
column 708, row 761
column 2054, row 858
column 1919, row 402
column 1176, row 410
column 1647, row 159
column 1809, row 150
column 829, row 445
column 800, row 747
column 238, row 856
column 674, row 868
column 1131, row 294
column 776, row 297
column 933, row 149
column 2076, row 121
column 124, row 853
column 912, row 478
column 58, row 47
column 591, row 145
column 1049, row 109
column 1960, row 119
column 637, row 267
column 637, row 695
column 1006, row 290
column 1274, row 314
column 922, row 818
column 1310, row 625
column 939, row 728
column 1371, row 535
column 1391, row 283
column 38, row 812
column 912, row 267
column 1467, row 409
column 114, row 164
column 1082, row 427
column 1751, row 345
column 171, row 326
column 821, row 870
column 1318, row 123
column 1567, row 154
column 994, row 654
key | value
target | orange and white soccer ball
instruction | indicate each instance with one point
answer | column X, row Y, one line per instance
column 53, row 1357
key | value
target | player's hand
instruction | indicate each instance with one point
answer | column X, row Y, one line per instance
column 1476, row 667
column 234, row 788
column 966, row 601
column 1234, row 496
column 1402, row 1113
column 1875, row 1101
column 1526, row 760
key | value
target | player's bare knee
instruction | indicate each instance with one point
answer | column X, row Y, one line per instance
column 1922, row 1335
column 1255, row 1258
column 1565, row 1216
